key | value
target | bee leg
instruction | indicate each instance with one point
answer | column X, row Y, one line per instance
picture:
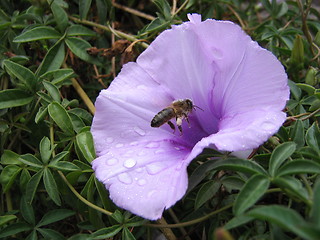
column 180, row 130
column 172, row 126
column 187, row 119
column 179, row 123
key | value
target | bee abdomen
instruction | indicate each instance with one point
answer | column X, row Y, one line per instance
column 162, row 117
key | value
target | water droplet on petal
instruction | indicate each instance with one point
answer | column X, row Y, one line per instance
column 109, row 140
column 151, row 193
column 129, row 163
column 135, row 143
column 152, row 145
column 139, row 170
column 112, row 161
column 142, row 182
column 140, row 131
column 267, row 126
column 141, row 153
column 155, row 168
column 119, row 145
column 125, row 178
column 159, row 151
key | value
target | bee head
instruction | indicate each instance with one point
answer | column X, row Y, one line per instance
column 189, row 103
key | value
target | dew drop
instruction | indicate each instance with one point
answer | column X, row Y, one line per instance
column 125, row 178
column 140, row 131
column 112, row 161
column 159, row 151
column 155, row 168
column 152, row 145
column 141, row 153
column 139, row 170
column 119, row 145
column 267, row 126
column 151, row 193
column 135, row 143
column 142, row 87
column 142, row 182
column 109, row 140
column 129, row 163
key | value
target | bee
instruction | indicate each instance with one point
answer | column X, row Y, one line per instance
column 178, row 109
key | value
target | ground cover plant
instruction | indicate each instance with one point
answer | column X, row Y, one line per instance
column 56, row 56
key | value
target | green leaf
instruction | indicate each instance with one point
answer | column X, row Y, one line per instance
column 207, row 191
column 237, row 221
column 52, row 90
column 53, row 59
column 13, row 229
column 51, row 186
column 8, row 176
column 22, row 73
column 279, row 155
column 77, row 122
column 251, row 192
column 6, row 218
column 27, row 211
column 50, row 234
column 65, row 166
column 164, row 7
column 298, row 167
column 126, row 234
column 240, row 165
column 200, row 173
column 84, row 6
column 315, row 210
column 9, row 157
column 283, row 217
column 14, row 98
column 55, row 216
column 41, row 114
column 309, row 89
column 106, row 232
column 292, row 186
column 103, row 194
column 60, row 117
column 31, row 160
column 37, row 33
column 313, row 137
column 32, row 186
column 297, row 134
column 79, row 30
column 60, row 16
column 84, row 142
column 45, row 149
column 79, row 47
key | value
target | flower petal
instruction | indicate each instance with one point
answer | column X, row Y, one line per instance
column 144, row 179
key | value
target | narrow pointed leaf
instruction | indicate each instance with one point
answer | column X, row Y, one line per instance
column 60, row 16
column 27, row 211
column 8, row 176
column 105, row 233
column 53, row 59
column 313, row 137
column 240, row 165
column 84, row 6
column 79, row 30
column 84, row 142
column 279, row 155
column 52, row 90
column 283, row 217
column 22, row 73
column 60, row 117
column 251, row 192
column 38, row 33
column 14, row 228
column 45, row 149
column 6, row 218
column 14, row 98
column 50, row 234
column 51, row 186
column 299, row 167
column 207, row 191
column 315, row 209
column 55, row 216
column 32, row 186
column 31, row 160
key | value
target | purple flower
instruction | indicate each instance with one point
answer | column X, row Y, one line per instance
column 241, row 87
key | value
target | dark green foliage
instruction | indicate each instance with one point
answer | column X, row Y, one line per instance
column 48, row 187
